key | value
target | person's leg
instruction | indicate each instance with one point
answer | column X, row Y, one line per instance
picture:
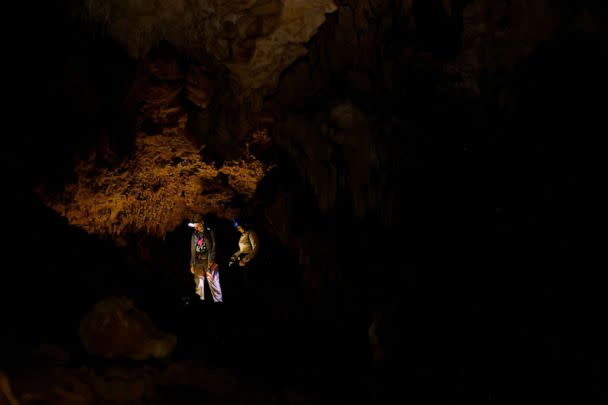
column 199, row 280
column 200, row 287
column 213, row 278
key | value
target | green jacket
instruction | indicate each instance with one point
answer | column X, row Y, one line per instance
column 202, row 247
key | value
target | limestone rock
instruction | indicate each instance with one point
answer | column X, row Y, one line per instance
column 255, row 39
column 116, row 329
column 199, row 88
column 273, row 53
column 6, row 393
column 496, row 36
column 163, row 184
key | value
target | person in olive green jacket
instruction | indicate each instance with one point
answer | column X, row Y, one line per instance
column 202, row 261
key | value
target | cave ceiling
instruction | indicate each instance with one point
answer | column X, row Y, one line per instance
column 194, row 121
column 216, row 80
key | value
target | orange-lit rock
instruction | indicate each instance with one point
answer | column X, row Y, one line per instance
column 163, row 184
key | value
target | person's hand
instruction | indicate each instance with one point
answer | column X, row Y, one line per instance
column 192, row 269
column 241, row 263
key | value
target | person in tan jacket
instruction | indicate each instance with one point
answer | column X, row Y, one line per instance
column 248, row 248
column 248, row 244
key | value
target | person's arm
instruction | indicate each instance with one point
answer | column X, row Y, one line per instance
column 192, row 246
column 253, row 239
column 212, row 251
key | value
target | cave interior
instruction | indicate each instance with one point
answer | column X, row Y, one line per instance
column 423, row 176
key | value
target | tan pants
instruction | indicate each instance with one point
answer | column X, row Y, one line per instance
column 202, row 272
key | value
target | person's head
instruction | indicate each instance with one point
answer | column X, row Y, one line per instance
column 238, row 225
column 198, row 223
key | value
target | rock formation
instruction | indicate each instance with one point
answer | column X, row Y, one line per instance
column 115, row 328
